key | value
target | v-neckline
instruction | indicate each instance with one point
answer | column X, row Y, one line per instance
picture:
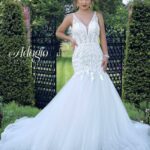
column 86, row 26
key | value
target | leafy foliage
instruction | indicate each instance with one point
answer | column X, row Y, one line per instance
column 115, row 13
column 136, row 64
column 42, row 10
column 16, row 81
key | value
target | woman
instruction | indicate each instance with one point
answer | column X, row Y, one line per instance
column 87, row 114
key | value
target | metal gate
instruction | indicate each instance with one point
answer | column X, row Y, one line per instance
column 116, row 47
column 44, row 48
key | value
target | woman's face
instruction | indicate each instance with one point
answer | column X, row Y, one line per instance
column 84, row 4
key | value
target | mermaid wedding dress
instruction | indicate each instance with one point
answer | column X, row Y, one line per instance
column 86, row 114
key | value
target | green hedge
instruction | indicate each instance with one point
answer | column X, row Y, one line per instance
column 16, row 82
column 136, row 64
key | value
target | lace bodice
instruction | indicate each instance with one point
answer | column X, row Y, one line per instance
column 87, row 56
column 85, row 33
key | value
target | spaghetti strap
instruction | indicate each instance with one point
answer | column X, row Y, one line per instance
column 73, row 17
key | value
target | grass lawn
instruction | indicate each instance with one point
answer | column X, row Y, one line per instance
column 64, row 69
column 12, row 111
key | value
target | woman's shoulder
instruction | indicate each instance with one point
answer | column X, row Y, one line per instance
column 68, row 17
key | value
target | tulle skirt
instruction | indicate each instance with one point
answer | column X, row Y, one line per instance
column 84, row 115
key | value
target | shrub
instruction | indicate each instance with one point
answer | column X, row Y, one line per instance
column 16, row 80
column 136, row 64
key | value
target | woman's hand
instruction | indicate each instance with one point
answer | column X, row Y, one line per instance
column 105, row 62
column 73, row 42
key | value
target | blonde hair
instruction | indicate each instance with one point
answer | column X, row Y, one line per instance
column 75, row 3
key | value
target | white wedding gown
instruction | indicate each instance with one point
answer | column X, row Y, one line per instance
column 86, row 114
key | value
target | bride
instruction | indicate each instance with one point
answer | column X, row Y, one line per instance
column 87, row 113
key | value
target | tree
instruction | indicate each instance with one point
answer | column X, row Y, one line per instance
column 42, row 10
column 114, row 12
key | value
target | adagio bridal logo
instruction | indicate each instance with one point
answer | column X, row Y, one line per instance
column 34, row 54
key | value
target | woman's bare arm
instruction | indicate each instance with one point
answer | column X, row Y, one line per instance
column 103, row 41
column 62, row 28
column 102, row 34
